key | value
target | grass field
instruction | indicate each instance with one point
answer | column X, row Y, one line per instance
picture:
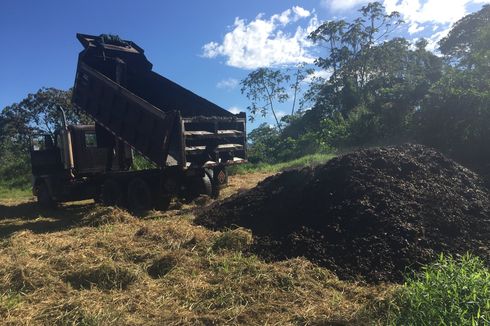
column 88, row 265
column 7, row 193
column 83, row 264
column 308, row 160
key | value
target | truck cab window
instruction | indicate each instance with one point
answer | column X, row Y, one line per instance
column 37, row 143
column 59, row 141
column 90, row 139
column 41, row 142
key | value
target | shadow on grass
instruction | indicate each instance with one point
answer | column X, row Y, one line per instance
column 29, row 216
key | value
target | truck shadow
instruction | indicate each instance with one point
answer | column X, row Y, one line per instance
column 28, row 216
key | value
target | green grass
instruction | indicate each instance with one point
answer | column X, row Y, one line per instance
column 9, row 300
column 308, row 160
column 447, row 292
column 14, row 193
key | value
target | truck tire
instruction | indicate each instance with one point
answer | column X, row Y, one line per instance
column 211, row 185
column 207, row 184
column 140, row 195
column 112, row 193
column 197, row 186
column 162, row 203
column 44, row 198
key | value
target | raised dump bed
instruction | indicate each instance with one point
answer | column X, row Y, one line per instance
column 165, row 122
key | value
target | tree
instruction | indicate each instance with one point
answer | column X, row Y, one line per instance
column 349, row 55
column 298, row 76
column 263, row 87
column 376, row 83
column 385, row 90
column 400, row 81
column 329, row 34
column 37, row 113
column 455, row 115
column 264, row 140
column 266, row 87
column 465, row 38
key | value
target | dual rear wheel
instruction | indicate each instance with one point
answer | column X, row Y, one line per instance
column 137, row 195
column 204, row 185
column 141, row 194
column 112, row 193
column 44, row 198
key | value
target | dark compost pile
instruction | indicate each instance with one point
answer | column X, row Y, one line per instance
column 367, row 215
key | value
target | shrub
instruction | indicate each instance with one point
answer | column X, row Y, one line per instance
column 447, row 292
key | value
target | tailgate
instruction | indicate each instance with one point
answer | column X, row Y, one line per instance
column 210, row 141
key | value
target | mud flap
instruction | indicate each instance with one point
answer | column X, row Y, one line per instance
column 220, row 176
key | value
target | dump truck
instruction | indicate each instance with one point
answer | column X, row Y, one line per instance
column 189, row 140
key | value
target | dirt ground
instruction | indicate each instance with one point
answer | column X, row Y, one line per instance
column 84, row 264
column 373, row 215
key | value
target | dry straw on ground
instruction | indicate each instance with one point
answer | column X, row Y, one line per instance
column 86, row 265
column 106, row 215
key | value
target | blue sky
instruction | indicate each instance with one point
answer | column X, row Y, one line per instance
column 206, row 46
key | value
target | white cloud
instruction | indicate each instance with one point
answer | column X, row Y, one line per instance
column 415, row 12
column 435, row 38
column 318, row 74
column 229, row 83
column 234, row 109
column 211, row 49
column 437, row 11
column 436, row 15
column 342, row 5
column 415, row 28
column 280, row 114
column 301, row 12
column 290, row 15
column 266, row 42
column 440, row 13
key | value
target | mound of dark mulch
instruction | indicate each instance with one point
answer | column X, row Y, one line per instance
column 367, row 215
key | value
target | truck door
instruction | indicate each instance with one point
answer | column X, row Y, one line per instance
column 45, row 156
column 88, row 157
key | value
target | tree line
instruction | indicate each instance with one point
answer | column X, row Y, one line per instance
column 381, row 90
column 36, row 114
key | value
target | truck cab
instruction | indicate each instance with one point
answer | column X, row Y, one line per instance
column 66, row 164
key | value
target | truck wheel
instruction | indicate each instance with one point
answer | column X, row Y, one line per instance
column 112, row 194
column 198, row 186
column 43, row 197
column 211, row 186
column 162, row 203
column 207, row 185
column 140, row 196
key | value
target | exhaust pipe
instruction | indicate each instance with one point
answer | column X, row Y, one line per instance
column 67, row 145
